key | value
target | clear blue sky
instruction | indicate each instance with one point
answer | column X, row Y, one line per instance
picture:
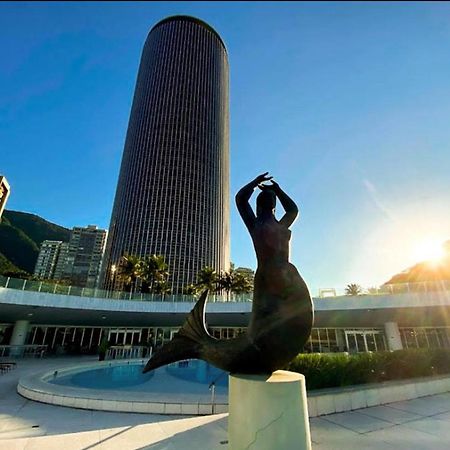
column 346, row 104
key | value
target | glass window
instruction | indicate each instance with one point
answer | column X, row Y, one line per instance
column 332, row 340
column 432, row 337
column 351, row 340
column 360, row 342
column 408, row 338
column 421, row 336
column 380, row 342
column 371, row 345
column 443, row 337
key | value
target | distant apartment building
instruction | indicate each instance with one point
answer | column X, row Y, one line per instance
column 4, row 193
column 48, row 259
column 84, row 254
column 61, row 266
column 76, row 262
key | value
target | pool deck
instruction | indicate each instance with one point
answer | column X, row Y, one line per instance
column 418, row 424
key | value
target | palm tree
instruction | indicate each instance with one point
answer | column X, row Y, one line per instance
column 226, row 281
column 130, row 269
column 161, row 287
column 353, row 289
column 242, row 283
column 235, row 282
column 154, row 270
column 207, row 278
column 245, row 280
column 191, row 289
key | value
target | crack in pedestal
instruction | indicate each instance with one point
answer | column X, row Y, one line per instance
column 262, row 429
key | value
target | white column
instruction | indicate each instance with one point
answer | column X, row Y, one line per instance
column 19, row 336
column 268, row 412
column 19, row 333
column 394, row 340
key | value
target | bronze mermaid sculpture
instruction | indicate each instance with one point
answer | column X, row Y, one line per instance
column 282, row 310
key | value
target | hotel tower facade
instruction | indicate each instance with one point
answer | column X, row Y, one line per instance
column 172, row 196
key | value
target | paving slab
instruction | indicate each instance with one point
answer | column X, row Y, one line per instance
column 431, row 426
column 323, row 431
column 402, row 437
column 424, row 406
column 391, row 415
column 357, row 422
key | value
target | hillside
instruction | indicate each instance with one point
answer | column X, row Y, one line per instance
column 426, row 270
column 36, row 228
column 21, row 235
column 6, row 266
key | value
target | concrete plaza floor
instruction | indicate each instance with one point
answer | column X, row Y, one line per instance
column 420, row 424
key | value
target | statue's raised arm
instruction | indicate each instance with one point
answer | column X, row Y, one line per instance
column 243, row 197
column 290, row 208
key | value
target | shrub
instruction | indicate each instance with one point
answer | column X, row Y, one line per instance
column 326, row 371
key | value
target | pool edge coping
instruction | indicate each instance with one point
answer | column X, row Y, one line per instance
column 36, row 387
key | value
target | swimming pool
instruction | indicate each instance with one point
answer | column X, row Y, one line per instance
column 129, row 377
column 118, row 385
column 122, row 377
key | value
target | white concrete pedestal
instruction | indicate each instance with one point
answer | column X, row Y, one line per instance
column 268, row 412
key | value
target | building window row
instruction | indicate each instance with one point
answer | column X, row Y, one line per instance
column 425, row 337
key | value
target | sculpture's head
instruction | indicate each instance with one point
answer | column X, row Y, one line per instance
column 266, row 202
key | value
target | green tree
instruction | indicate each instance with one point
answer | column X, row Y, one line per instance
column 353, row 289
column 242, row 283
column 191, row 289
column 207, row 278
column 161, row 287
column 226, row 281
column 130, row 270
column 235, row 282
column 154, row 270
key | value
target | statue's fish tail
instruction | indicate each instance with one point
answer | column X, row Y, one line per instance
column 188, row 342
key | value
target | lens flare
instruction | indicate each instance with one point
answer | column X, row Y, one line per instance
column 429, row 250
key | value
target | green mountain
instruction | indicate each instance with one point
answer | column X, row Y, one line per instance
column 6, row 266
column 21, row 235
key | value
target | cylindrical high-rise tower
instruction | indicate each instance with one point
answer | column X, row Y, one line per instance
column 172, row 196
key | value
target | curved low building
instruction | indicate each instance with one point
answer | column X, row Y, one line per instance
column 66, row 319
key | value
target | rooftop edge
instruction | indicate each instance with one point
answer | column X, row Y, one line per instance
column 192, row 19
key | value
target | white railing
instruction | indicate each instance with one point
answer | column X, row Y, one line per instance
column 389, row 289
column 126, row 352
column 22, row 351
column 62, row 289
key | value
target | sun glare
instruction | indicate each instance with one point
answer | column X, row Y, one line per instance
column 429, row 250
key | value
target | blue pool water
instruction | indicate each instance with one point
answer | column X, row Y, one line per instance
column 129, row 377
column 198, row 371
column 115, row 377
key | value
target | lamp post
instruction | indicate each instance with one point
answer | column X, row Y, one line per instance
column 113, row 273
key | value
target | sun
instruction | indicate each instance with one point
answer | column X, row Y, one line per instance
column 429, row 250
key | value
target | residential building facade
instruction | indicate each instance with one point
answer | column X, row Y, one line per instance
column 47, row 261
column 4, row 193
column 83, row 256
